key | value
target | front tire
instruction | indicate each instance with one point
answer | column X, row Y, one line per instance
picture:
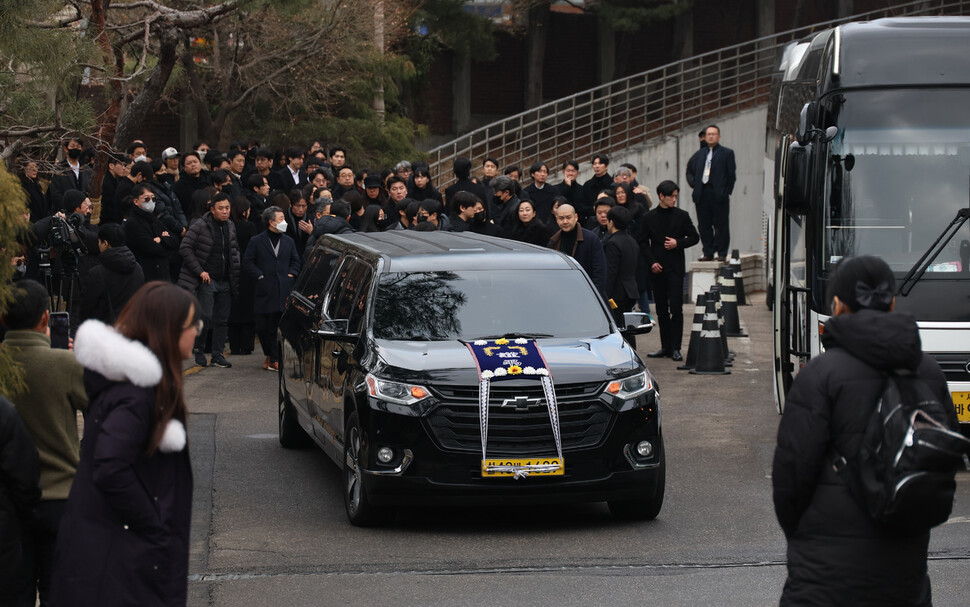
column 644, row 508
column 360, row 512
column 292, row 435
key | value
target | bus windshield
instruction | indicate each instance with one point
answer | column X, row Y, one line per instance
column 895, row 176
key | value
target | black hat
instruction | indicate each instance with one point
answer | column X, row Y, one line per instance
column 72, row 199
column 372, row 181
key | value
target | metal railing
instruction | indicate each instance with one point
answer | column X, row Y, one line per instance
column 631, row 111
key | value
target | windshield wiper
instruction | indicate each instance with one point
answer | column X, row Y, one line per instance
column 516, row 336
column 919, row 268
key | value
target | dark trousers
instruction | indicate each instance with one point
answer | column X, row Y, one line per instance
column 668, row 297
column 242, row 337
column 266, row 325
column 215, row 299
column 713, row 223
column 39, row 544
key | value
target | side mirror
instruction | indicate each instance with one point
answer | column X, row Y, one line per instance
column 335, row 329
column 805, row 122
column 798, row 178
column 636, row 323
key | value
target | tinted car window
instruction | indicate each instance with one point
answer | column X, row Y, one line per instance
column 316, row 272
column 348, row 289
column 444, row 306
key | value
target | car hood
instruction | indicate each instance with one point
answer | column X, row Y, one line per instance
column 569, row 360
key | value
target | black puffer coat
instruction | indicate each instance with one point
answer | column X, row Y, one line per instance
column 195, row 250
column 836, row 554
column 111, row 284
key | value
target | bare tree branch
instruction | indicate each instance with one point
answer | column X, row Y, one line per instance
column 61, row 22
column 27, row 131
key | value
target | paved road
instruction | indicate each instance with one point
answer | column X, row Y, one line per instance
column 269, row 526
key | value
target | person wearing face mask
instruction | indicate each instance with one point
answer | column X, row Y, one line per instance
column 69, row 174
column 139, row 172
column 273, row 262
column 112, row 282
column 431, row 211
column 138, row 152
column 147, row 236
column 467, row 206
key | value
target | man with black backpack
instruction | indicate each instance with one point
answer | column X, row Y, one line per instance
column 857, row 424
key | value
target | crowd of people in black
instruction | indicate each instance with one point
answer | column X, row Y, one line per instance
column 234, row 228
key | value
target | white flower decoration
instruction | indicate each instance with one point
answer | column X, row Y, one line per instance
column 487, row 375
column 480, row 342
column 501, row 372
column 522, row 341
column 542, row 371
column 529, row 371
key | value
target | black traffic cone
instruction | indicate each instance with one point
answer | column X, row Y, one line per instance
column 738, row 279
column 710, row 353
column 729, row 303
column 715, row 293
column 695, row 333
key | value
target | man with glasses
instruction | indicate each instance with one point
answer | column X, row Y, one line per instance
column 147, row 236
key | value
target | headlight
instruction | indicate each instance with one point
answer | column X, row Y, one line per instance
column 395, row 392
column 630, row 387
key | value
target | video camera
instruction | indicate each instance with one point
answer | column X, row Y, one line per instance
column 63, row 241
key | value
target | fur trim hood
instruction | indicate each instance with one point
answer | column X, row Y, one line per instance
column 101, row 348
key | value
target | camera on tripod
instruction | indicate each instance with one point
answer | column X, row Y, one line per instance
column 64, row 238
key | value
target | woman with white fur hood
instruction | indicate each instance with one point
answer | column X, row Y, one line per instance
column 124, row 536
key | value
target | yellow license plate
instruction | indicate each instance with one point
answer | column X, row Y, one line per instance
column 961, row 402
column 524, row 467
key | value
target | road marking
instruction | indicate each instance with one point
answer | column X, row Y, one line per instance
column 588, row 569
column 262, row 436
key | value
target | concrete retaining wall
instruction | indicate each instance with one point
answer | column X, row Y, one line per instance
column 744, row 133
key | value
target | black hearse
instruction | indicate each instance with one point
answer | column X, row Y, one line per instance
column 374, row 368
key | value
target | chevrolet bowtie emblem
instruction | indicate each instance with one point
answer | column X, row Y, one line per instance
column 521, row 403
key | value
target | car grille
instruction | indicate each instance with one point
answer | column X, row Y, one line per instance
column 519, row 428
column 954, row 364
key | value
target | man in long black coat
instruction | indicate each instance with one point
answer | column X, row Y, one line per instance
column 711, row 172
column 70, row 173
column 580, row 244
column 272, row 260
column 666, row 232
column 622, row 256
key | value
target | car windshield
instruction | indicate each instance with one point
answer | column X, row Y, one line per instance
column 895, row 176
column 467, row 305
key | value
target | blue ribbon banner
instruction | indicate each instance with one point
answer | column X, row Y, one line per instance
column 507, row 358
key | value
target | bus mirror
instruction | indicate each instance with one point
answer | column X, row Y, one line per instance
column 804, row 123
column 798, row 179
